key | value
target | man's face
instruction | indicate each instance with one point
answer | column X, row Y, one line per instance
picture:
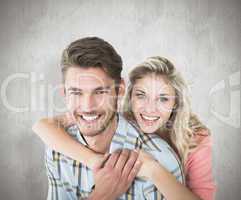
column 91, row 97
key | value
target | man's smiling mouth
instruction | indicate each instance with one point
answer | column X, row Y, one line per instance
column 90, row 118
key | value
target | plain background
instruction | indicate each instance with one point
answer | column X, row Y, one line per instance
column 201, row 37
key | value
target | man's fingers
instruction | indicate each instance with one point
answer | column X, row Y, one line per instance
column 113, row 159
column 124, row 155
column 130, row 163
column 101, row 163
column 134, row 171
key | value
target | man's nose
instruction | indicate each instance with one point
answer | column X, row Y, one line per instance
column 88, row 103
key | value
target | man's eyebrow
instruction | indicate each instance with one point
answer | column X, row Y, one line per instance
column 103, row 88
column 74, row 89
column 96, row 89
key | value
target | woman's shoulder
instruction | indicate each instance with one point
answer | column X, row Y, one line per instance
column 202, row 138
column 198, row 166
column 204, row 146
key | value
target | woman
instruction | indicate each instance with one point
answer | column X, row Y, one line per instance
column 156, row 102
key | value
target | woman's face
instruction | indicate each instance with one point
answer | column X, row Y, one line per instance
column 153, row 100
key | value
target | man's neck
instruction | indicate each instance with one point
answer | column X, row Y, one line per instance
column 101, row 142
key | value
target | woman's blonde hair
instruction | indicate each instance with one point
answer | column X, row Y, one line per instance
column 182, row 125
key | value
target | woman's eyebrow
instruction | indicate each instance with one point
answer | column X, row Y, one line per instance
column 166, row 95
column 139, row 90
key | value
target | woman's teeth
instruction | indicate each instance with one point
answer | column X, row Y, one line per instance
column 149, row 118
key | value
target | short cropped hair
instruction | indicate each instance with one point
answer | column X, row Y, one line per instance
column 92, row 52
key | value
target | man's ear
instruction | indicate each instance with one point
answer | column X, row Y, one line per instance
column 122, row 88
column 62, row 90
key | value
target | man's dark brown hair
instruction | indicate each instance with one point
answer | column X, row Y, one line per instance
column 92, row 52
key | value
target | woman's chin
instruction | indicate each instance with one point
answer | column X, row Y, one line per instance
column 148, row 130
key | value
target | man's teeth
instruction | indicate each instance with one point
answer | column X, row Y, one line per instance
column 149, row 118
column 89, row 118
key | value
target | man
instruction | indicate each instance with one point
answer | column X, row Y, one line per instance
column 92, row 84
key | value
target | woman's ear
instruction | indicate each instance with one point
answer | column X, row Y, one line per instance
column 120, row 95
column 174, row 107
column 122, row 87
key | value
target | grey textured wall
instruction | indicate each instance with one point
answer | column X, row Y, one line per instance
column 201, row 37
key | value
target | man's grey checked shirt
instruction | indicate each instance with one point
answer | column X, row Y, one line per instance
column 70, row 180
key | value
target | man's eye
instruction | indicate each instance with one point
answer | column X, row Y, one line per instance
column 75, row 93
column 99, row 92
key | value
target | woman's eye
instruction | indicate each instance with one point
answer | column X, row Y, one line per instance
column 140, row 96
column 163, row 99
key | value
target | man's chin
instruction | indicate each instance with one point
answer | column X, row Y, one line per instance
column 88, row 130
column 95, row 129
column 91, row 133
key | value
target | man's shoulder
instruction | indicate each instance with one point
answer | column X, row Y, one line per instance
column 54, row 155
column 130, row 131
column 126, row 127
column 125, row 136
